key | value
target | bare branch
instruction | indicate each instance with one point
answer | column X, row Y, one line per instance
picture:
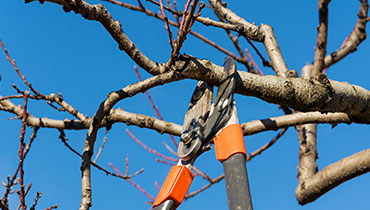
column 205, row 21
column 167, row 27
column 17, row 70
column 116, row 115
column 234, row 40
column 104, row 109
column 266, row 146
column 38, row 196
column 254, row 63
column 150, row 149
column 320, row 50
column 192, row 194
column 153, row 105
column 252, row 31
column 353, row 40
column 273, row 51
column 183, row 31
column 119, row 115
column 32, row 137
column 64, row 140
column 202, row 174
column 333, row 175
column 52, row 207
column 263, row 34
column 132, row 183
column 22, row 195
column 300, row 118
column 100, row 149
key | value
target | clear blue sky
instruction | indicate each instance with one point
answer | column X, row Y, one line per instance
column 62, row 52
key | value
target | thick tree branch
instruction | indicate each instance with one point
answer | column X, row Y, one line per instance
column 307, row 137
column 305, row 95
column 250, row 30
column 274, row 53
column 275, row 123
column 333, row 175
column 116, row 115
column 319, row 94
column 119, row 115
column 263, row 34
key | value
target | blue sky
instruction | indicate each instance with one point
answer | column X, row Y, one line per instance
column 62, row 52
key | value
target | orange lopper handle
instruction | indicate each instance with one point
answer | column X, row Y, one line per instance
column 175, row 186
column 229, row 141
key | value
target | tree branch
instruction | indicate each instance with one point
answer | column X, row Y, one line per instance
column 183, row 31
column 267, row 145
column 104, row 109
column 274, row 53
column 252, row 31
column 353, row 40
column 320, row 50
column 300, row 118
column 319, row 94
column 333, row 175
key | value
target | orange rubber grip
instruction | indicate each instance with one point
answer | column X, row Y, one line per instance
column 175, row 186
column 229, row 141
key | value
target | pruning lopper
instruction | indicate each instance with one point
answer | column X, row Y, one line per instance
column 204, row 124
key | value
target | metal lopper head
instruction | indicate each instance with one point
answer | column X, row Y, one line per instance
column 203, row 120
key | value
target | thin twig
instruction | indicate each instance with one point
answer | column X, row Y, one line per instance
column 32, row 138
column 157, row 186
column 183, row 30
column 192, row 194
column 52, row 207
column 154, row 106
column 199, row 36
column 254, row 63
column 21, row 153
column 167, row 27
column 183, row 16
column 148, row 148
column 202, row 174
column 126, row 165
column 264, row 61
column 234, row 40
column 266, row 146
column 169, row 148
column 164, row 162
column 132, row 183
column 17, row 70
column 100, row 149
column 38, row 196
column 64, row 140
